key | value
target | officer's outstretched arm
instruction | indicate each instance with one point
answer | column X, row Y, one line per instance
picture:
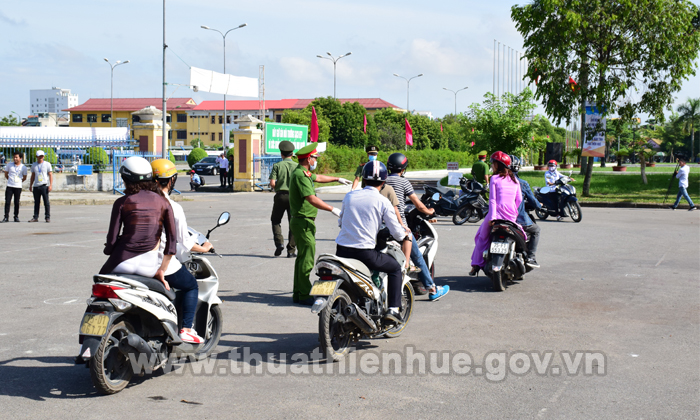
column 321, row 205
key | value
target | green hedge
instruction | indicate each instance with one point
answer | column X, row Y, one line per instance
column 345, row 159
column 49, row 155
column 97, row 157
column 195, row 156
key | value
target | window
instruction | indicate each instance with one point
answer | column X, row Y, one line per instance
column 221, row 119
column 212, row 119
column 221, row 136
column 91, row 118
column 228, row 119
column 167, row 118
column 135, row 119
column 182, row 134
column 212, row 136
column 170, row 135
column 106, row 118
column 278, row 118
column 182, row 118
column 77, row 118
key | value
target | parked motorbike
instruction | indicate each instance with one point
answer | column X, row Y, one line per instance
column 561, row 192
column 474, row 207
column 351, row 301
column 505, row 261
column 134, row 316
column 445, row 201
column 427, row 240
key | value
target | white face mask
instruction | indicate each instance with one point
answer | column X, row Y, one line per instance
column 313, row 166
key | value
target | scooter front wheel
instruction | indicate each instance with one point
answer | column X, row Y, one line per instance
column 110, row 370
column 541, row 213
column 462, row 214
column 407, row 299
column 212, row 334
column 574, row 211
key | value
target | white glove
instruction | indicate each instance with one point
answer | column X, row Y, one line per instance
column 336, row 212
column 344, row 181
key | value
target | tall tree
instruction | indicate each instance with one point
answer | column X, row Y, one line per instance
column 690, row 119
column 9, row 121
column 609, row 49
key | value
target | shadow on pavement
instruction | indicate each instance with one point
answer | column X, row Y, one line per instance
column 478, row 284
column 271, row 299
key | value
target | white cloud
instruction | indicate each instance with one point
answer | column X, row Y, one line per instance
column 301, row 70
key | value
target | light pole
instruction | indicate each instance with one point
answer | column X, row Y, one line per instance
column 408, row 81
column 455, row 92
column 223, row 35
column 334, row 60
column 111, row 89
column 19, row 119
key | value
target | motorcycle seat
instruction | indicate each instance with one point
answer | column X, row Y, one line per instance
column 147, row 282
column 513, row 229
column 350, row 263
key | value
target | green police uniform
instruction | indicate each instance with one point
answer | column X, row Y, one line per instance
column 479, row 171
column 303, row 228
column 282, row 173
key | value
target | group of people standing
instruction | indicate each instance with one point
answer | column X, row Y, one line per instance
column 40, row 184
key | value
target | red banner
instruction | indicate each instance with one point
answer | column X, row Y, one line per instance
column 314, row 125
column 409, row 134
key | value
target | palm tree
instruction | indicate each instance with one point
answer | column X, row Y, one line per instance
column 690, row 118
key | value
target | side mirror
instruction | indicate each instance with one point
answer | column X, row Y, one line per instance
column 436, row 197
column 223, row 219
column 570, row 173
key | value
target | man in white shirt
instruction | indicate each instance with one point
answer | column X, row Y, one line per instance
column 360, row 220
column 682, row 175
column 15, row 174
column 223, row 169
column 41, row 185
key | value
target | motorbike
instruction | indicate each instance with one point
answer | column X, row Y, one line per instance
column 130, row 316
column 351, row 301
column 505, row 256
column 427, row 240
column 561, row 192
column 474, row 207
column 445, row 201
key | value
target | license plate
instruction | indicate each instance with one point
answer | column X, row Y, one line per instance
column 499, row 247
column 94, row 324
column 323, row 288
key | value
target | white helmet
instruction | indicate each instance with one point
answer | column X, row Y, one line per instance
column 136, row 169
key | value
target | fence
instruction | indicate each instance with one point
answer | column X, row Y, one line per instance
column 262, row 166
column 118, row 159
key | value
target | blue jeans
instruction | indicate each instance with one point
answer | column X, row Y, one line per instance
column 682, row 192
column 419, row 261
column 185, row 282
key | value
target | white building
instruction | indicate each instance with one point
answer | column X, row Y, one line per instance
column 51, row 100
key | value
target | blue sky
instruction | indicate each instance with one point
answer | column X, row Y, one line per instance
column 451, row 42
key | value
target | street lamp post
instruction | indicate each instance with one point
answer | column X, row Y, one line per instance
column 334, row 60
column 223, row 35
column 408, row 81
column 455, row 92
column 111, row 89
column 19, row 119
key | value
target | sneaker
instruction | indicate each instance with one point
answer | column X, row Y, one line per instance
column 291, row 254
column 278, row 251
column 440, row 291
column 532, row 263
column 34, row 220
column 4, row 220
column 393, row 316
column 16, row 219
column 559, row 218
column 190, row 337
column 692, row 208
column 671, row 207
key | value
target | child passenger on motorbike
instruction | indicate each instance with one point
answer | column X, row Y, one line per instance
column 504, row 198
column 145, row 214
column 360, row 220
column 176, row 274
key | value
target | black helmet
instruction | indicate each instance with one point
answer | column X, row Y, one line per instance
column 374, row 171
column 514, row 163
column 397, row 162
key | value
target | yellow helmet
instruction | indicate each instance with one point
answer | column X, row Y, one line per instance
column 163, row 169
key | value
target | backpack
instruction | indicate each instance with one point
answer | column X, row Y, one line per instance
column 201, row 181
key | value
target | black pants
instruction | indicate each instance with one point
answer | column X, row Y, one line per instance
column 533, row 238
column 9, row 193
column 194, row 185
column 222, row 177
column 280, row 206
column 375, row 260
column 42, row 191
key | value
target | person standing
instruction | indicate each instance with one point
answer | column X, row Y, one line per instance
column 372, row 153
column 524, row 220
column 41, row 185
column 480, row 169
column 681, row 174
column 280, row 177
column 229, row 169
column 304, row 206
column 15, row 174
column 223, row 170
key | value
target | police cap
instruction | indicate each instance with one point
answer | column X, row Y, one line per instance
column 286, row 146
column 306, row 151
column 372, row 149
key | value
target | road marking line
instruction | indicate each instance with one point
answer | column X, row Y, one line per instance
column 662, row 258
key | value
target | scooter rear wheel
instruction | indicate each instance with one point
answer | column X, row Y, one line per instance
column 542, row 214
column 333, row 334
column 110, row 370
column 497, row 280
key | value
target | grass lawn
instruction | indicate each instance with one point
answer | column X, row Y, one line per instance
column 667, row 167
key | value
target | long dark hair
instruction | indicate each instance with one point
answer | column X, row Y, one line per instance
column 504, row 171
column 134, row 187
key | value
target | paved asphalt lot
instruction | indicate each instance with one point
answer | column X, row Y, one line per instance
column 622, row 284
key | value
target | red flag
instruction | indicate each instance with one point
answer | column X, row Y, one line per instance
column 472, row 144
column 573, row 84
column 577, row 144
column 364, row 125
column 409, row 134
column 314, row 126
column 441, row 127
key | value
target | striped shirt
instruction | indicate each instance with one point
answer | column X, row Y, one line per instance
column 403, row 189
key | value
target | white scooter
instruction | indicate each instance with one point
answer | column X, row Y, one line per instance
column 133, row 316
column 427, row 239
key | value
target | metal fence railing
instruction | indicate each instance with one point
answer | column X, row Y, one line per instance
column 262, row 166
column 118, row 159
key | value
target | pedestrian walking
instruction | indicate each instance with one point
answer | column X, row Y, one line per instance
column 372, row 153
column 15, row 174
column 41, row 185
column 682, row 175
column 280, row 176
column 304, row 205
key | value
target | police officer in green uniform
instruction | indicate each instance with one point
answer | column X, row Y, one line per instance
column 304, row 206
column 279, row 180
column 480, row 169
column 372, row 152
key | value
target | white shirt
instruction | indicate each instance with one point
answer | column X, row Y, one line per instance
column 185, row 241
column 683, row 176
column 552, row 176
column 41, row 173
column 15, row 174
column 362, row 216
column 223, row 163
